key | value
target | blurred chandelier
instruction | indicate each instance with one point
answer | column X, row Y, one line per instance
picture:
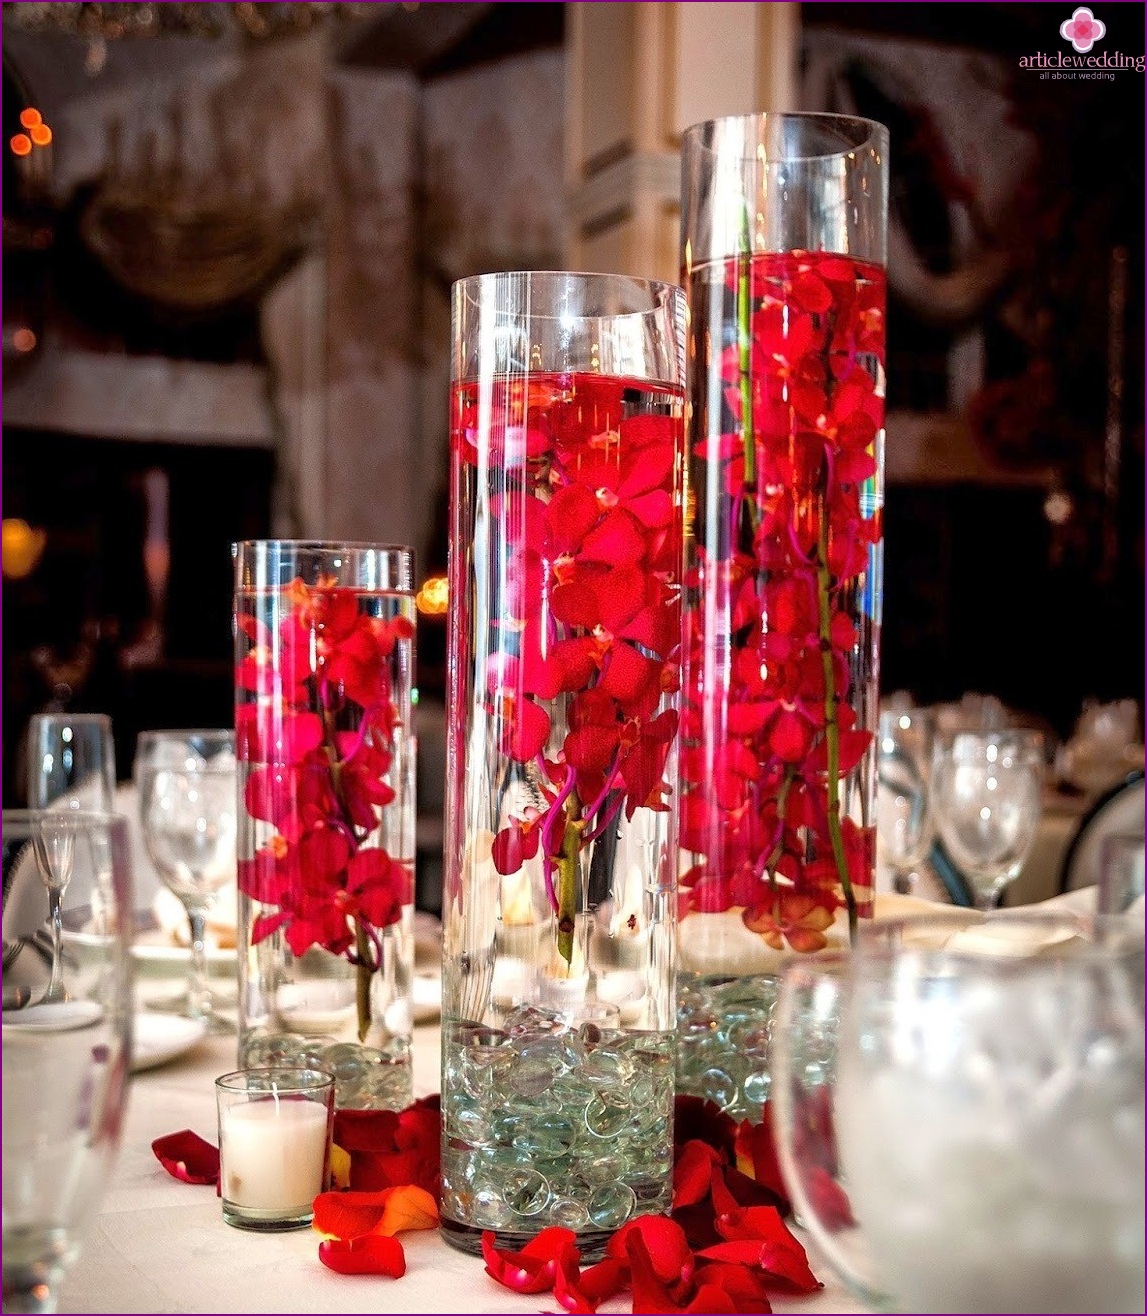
column 112, row 21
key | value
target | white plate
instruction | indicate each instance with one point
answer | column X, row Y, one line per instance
column 159, row 1038
column 60, row 1017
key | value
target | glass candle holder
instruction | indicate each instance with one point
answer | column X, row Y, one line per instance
column 274, row 1145
column 324, row 662
column 783, row 253
column 558, row 908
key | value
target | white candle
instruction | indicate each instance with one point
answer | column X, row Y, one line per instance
column 273, row 1152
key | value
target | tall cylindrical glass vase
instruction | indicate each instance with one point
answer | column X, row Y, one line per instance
column 558, row 909
column 323, row 670
column 783, row 251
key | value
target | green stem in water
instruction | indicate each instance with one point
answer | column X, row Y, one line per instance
column 364, row 951
column 749, row 510
column 831, row 717
column 363, row 974
column 782, row 805
column 569, row 877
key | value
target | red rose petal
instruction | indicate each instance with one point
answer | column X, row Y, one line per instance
column 581, row 1291
column 744, row 1287
column 372, row 1254
column 531, row 1270
column 693, row 1172
column 188, row 1157
column 665, row 1243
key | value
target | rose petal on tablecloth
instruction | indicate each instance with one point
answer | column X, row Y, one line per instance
column 188, row 1157
column 371, row 1254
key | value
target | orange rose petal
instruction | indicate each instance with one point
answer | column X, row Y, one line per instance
column 408, row 1207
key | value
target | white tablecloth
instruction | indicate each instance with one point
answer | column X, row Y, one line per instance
column 159, row 1245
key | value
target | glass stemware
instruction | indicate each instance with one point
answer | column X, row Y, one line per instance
column 987, row 789
column 54, row 845
column 71, row 762
column 187, row 801
column 904, row 829
column 959, row 1112
column 66, row 1060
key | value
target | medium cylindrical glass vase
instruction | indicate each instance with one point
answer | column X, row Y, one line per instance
column 323, row 670
column 783, row 251
column 558, row 910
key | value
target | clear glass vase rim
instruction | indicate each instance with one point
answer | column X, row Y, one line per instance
column 661, row 288
column 875, row 135
column 324, row 546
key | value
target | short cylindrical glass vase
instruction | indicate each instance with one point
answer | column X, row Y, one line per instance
column 558, row 909
column 783, row 252
column 323, row 670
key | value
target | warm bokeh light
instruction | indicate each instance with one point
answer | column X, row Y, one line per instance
column 21, row 144
column 30, row 118
column 22, row 547
column 433, row 599
column 24, row 339
column 40, row 133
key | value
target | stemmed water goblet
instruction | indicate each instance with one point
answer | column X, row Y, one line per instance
column 66, row 1060
column 71, row 762
column 904, row 829
column 54, row 845
column 187, row 801
column 987, row 789
column 958, row 1108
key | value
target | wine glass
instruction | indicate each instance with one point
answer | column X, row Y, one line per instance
column 187, row 802
column 71, row 762
column 987, row 789
column 66, row 1063
column 54, row 845
column 904, row 830
column 978, row 1140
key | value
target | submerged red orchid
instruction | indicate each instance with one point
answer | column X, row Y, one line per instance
column 585, row 646
column 787, row 524
column 315, row 726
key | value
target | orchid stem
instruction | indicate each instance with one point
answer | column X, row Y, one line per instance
column 749, row 510
column 363, row 973
column 569, row 873
column 831, row 719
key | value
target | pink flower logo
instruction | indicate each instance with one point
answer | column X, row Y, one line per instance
column 1083, row 30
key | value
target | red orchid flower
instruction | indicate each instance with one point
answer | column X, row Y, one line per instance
column 794, row 917
column 783, row 696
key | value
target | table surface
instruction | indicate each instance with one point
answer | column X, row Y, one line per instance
column 159, row 1245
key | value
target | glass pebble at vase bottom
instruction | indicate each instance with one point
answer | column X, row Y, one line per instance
column 274, row 1145
column 558, row 909
column 784, row 220
column 323, row 669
